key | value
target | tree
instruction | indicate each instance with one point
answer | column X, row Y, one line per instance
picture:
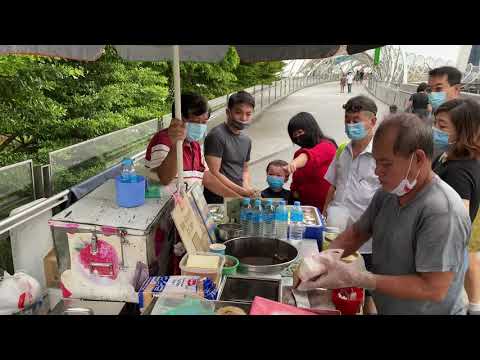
column 49, row 103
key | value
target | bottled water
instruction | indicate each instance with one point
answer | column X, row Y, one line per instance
column 297, row 228
column 257, row 219
column 281, row 221
column 128, row 171
column 246, row 217
column 269, row 220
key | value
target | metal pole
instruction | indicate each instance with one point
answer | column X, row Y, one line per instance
column 178, row 113
column 261, row 98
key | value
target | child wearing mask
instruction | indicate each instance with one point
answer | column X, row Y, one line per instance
column 311, row 162
column 276, row 178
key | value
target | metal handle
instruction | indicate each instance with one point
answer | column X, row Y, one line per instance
column 123, row 241
column 94, row 248
column 94, row 265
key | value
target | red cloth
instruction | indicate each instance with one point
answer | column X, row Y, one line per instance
column 309, row 181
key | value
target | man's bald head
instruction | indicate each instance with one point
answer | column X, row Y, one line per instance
column 409, row 132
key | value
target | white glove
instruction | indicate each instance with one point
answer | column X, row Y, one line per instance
column 337, row 274
column 311, row 267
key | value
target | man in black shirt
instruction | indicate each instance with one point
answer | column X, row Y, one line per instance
column 419, row 103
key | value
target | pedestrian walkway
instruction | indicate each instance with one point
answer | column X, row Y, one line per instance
column 269, row 131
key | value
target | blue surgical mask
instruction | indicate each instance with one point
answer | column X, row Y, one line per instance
column 355, row 131
column 275, row 182
column 195, row 131
column 440, row 140
column 437, row 99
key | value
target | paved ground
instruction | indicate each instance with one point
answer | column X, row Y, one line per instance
column 269, row 131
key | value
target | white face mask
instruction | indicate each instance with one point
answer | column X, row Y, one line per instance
column 406, row 186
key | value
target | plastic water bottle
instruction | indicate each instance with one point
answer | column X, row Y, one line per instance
column 269, row 220
column 246, row 217
column 281, row 221
column 297, row 227
column 128, row 171
column 257, row 219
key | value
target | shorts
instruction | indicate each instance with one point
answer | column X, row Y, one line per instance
column 367, row 258
column 474, row 243
column 212, row 198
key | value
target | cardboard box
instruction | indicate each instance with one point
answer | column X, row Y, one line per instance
column 52, row 276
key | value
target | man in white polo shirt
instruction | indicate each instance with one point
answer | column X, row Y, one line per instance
column 352, row 174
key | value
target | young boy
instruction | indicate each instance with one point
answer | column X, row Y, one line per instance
column 393, row 109
column 276, row 178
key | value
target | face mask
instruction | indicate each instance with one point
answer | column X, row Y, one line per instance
column 238, row 124
column 355, row 131
column 302, row 141
column 275, row 182
column 437, row 99
column 440, row 140
column 405, row 186
column 195, row 131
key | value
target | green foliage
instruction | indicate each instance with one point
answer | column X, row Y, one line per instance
column 50, row 103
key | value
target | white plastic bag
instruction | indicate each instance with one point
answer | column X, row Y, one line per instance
column 17, row 292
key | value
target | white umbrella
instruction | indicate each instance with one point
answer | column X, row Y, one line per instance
column 209, row 53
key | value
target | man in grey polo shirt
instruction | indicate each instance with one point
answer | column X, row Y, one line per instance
column 419, row 225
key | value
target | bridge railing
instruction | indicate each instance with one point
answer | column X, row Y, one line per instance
column 16, row 186
column 399, row 95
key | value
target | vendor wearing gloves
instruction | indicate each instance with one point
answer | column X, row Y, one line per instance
column 420, row 229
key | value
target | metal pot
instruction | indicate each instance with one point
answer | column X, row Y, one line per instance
column 260, row 255
column 229, row 231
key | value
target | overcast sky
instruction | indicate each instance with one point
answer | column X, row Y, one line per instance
column 447, row 52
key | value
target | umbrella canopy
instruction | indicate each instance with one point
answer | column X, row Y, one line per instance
column 207, row 53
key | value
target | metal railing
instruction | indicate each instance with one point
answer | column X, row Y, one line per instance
column 17, row 186
column 76, row 163
column 399, row 95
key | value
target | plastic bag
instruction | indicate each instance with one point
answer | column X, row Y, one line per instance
column 18, row 292
column 338, row 216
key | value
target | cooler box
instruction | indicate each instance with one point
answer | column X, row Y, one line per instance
column 313, row 220
column 109, row 249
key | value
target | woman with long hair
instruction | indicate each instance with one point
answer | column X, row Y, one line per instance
column 311, row 161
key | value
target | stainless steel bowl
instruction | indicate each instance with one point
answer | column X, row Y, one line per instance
column 229, row 231
column 78, row 311
column 259, row 255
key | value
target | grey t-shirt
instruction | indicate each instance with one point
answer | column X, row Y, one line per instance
column 233, row 149
column 429, row 234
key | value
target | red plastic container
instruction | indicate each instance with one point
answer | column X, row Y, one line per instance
column 348, row 307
